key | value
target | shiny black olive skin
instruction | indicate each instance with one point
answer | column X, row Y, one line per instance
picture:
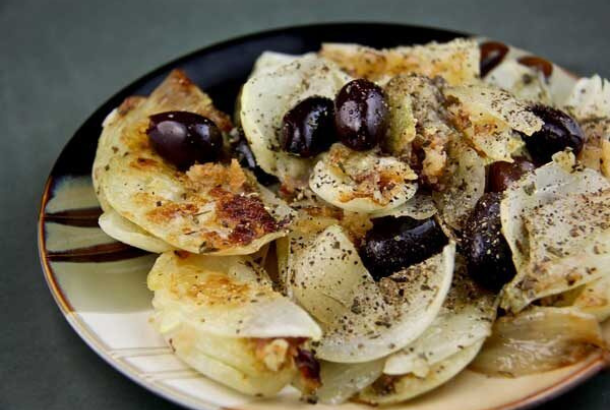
column 492, row 54
column 487, row 253
column 240, row 149
column 395, row 243
column 361, row 114
column 308, row 128
column 501, row 174
column 560, row 131
column 185, row 138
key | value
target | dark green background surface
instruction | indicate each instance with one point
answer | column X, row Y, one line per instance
column 59, row 60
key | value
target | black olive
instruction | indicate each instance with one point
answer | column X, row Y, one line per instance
column 502, row 174
column 185, row 138
column 538, row 64
column 492, row 54
column 560, row 131
column 395, row 243
column 487, row 252
column 240, row 149
column 307, row 129
column 361, row 114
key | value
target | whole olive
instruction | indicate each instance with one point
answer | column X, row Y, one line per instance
column 308, row 129
column 395, row 243
column 492, row 54
column 361, row 114
column 502, row 174
column 538, row 64
column 240, row 149
column 560, row 131
column 487, row 252
column 184, row 138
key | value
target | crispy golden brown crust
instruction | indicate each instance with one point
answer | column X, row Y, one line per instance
column 164, row 213
column 211, row 175
column 213, row 207
column 239, row 211
column 129, row 105
column 219, row 289
column 456, row 61
column 367, row 182
column 177, row 89
column 245, row 215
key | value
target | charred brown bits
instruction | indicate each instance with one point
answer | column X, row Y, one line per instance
column 185, row 138
column 361, row 114
column 396, row 243
column 307, row 129
column 559, row 132
column 487, row 252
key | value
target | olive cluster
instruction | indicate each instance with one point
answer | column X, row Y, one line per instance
column 486, row 250
column 357, row 118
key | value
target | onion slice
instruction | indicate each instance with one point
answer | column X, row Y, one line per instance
column 537, row 340
column 340, row 381
column 396, row 389
column 362, row 319
column 465, row 319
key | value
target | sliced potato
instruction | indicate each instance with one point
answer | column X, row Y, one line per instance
column 537, row 340
column 396, row 389
column 211, row 209
column 175, row 93
column 269, row 95
column 222, row 316
column 227, row 296
column 341, row 381
column 270, row 61
column 362, row 319
column 238, row 363
column 456, row 61
column 123, row 230
column 109, row 138
column 490, row 117
column 362, row 181
column 497, row 103
column 555, row 221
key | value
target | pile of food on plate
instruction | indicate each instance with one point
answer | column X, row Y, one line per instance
column 370, row 222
